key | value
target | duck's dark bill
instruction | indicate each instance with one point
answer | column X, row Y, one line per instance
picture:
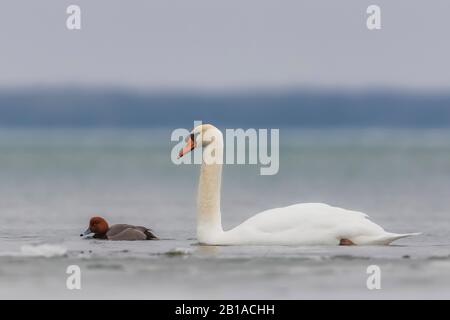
column 86, row 233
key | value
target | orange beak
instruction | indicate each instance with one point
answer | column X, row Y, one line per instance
column 190, row 145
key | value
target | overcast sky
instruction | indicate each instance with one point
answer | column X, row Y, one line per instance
column 226, row 44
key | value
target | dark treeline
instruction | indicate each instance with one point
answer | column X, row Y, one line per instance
column 78, row 107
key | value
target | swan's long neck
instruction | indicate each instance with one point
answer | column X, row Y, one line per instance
column 209, row 221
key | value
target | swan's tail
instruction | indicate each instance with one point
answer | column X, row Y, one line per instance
column 391, row 237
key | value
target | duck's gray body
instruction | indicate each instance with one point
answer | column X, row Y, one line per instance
column 126, row 232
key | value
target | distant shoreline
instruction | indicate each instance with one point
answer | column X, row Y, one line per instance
column 290, row 108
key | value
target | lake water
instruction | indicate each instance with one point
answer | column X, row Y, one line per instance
column 53, row 181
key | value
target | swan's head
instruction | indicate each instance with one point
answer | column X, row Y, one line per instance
column 204, row 135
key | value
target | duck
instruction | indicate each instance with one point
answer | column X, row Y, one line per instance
column 118, row 232
column 302, row 224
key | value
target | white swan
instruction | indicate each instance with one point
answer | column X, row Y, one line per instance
column 299, row 224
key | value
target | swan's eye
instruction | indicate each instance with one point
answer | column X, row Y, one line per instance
column 191, row 136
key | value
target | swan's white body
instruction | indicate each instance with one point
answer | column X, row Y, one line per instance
column 303, row 224
column 299, row 224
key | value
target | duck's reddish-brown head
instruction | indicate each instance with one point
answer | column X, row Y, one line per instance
column 97, row 225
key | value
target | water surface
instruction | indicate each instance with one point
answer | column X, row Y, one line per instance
column 52, row 181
